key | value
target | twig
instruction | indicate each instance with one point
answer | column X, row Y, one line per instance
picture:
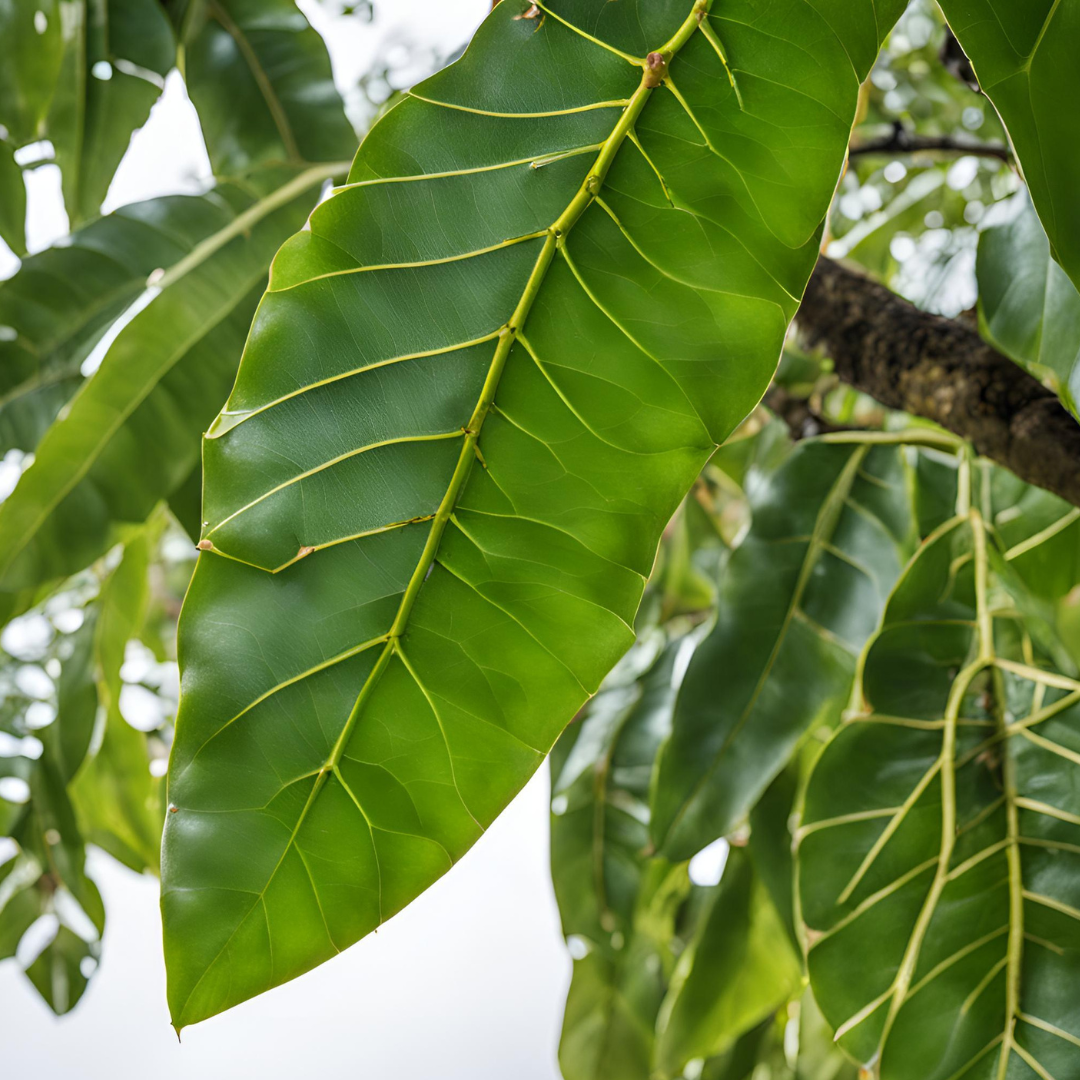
column 902, row 141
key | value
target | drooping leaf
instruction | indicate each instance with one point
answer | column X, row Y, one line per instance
column 260, row 79
column 131, row 435
column 31, row 52
column 798, row 600
column 940, row 835
column 119, row 803
column 12, row 201
column 1028, row 307
column 589, row 256
column 615, row 901
column 740, row 968
column 116, row 56
column 67, row 739
column 1023, row 56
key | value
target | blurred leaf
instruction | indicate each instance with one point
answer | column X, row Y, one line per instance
column 1024, row 56
column 58, row 970
column 797, row 601
column 355, row 535
column 612, row 897
column 1028, row 307
column 260, row 79
column 131, row 435
column 31, row 52
column 12, row 200
column 62, row 301
column 118, row 802
column 67, row 739
column 738, row 970
column 116, row 56
column 938, row 866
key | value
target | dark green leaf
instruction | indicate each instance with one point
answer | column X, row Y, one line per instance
column 12, row 201
column 31, row 52
column 260, row 78
column 939, row 842
column 116, row 56
column 1028, row 307
column 395, row 616
column 797, row 601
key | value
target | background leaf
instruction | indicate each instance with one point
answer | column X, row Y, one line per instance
column 1028, row 307
column 797, row 601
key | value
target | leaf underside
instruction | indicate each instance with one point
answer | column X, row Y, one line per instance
column 940, row 840
column 474, row 394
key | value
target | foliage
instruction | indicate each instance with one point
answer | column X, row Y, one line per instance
column 495, row 479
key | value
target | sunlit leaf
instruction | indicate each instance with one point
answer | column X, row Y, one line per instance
column 479, row 386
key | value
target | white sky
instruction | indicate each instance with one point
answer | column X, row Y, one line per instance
column 468, row 982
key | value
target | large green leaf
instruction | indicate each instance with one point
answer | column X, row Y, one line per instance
column 116, row 56
column 260, row 79
column 1028, row 307
column 131, row 435
column 1024, row 56
column 939, row 842
column 480, row 384
column 31, row 52
column 798, row 600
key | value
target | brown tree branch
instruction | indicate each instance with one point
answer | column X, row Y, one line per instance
column 902, row 141
column 943, row 371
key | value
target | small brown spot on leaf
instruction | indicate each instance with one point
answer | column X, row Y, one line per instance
column 530, row 13
column 205, row 545
column 304, row 552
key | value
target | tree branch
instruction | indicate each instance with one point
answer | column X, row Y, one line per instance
column 902, row 141
column 943, row 371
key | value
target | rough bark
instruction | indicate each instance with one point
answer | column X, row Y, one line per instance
column 943, row 371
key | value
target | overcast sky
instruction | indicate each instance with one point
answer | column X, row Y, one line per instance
column 468, row 982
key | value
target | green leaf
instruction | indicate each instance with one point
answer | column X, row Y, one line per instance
column 12, row 201
column 938, row 866
column 60, row 303
column 613, row 899
column 119, row 803
column 739, row 969
column 478, row 388
column 1028, row 307
column 260, row 79
column 116, row 56
column 131, row 435
column 1023, row 55
column 67, row 739
column 798, row 600
column 31, row 52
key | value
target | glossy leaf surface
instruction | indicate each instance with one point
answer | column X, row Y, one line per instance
column 1028, row 307
column 939, row 835
column 131, row 435
column 260, row 79
column 594, row 262
column 1023, row 55
column 798, row 600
